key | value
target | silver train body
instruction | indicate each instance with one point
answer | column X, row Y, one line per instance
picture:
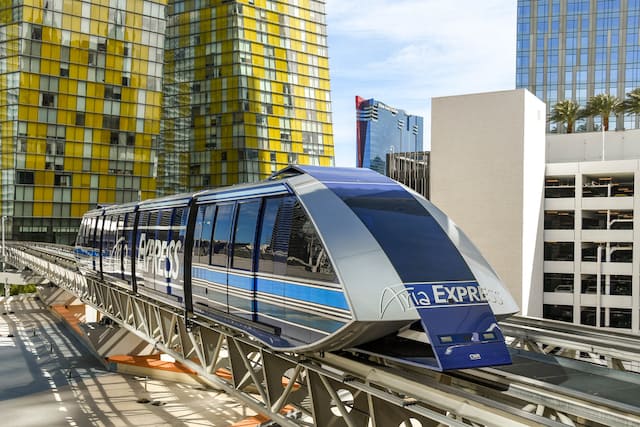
column 312, row 259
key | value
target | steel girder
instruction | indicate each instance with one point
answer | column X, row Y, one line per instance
column 291, row 389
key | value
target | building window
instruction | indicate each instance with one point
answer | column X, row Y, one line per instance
column 588, row 316
column 607, row 186
column 25, row 177
column 112, row 92
column 558, row 251
column 62, row 180
column 111, row 122
column 620, row 285
column 620, row 318
column 564, row 313
column 558, row 220
column 36, row 32
column 79, row 119
column 559, row 186
column 21, row 145
column 607, row 220
column 558, row 282
column 48, row 99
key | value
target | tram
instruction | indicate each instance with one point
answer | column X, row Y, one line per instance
column 311, row 259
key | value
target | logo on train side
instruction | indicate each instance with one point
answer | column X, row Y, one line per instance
column 428, row 295
column 159, row 256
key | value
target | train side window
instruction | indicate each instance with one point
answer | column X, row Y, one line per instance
column 82, row 232
column 143, row 223
column 202, row 234
column 221, row 234
column 274, row 235
column 152, row 228
column 107, row 234
column 99, row 233
column 91, row 232
column 245, row 235
column 307, row 257
column 162, row 232
column 127, row 233
column 178, row 231
column 197, row 249
column 80, row 238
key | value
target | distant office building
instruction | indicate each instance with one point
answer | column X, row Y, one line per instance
column 575, row 49
column 80, row 100
column 410, row 168
column 381, row 130
column 246, row 91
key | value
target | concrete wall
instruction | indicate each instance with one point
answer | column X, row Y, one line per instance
column 587, row 146
column 487, row 174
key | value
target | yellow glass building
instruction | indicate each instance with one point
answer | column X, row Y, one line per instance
column 246, row 91
column 80, row 108
column 111, row 101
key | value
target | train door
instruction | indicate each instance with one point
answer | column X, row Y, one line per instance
column 241, row 278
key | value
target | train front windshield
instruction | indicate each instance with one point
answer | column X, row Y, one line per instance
column 418, row 248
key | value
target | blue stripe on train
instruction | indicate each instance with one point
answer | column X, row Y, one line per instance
column 333, row 298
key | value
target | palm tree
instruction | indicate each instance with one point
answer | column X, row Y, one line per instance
column 566, row 111
column 631, row 105
column 603, row 105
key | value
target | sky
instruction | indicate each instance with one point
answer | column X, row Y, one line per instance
column 405, row 52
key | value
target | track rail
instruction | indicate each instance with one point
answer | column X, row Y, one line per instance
column 360, row 390
column 616, row 349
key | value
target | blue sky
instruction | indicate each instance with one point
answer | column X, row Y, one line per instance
column 405, row 52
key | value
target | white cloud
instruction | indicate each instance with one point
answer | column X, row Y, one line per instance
column 405, row 52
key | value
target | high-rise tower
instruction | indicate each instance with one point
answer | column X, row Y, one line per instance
column 382, row 130
column 80, row 101
column 246, row 91
column 575, row 49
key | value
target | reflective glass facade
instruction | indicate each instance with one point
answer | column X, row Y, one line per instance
column 80, row 102
column 575, row 49
column 246, row 91
column 383, row 130
column 110, row 101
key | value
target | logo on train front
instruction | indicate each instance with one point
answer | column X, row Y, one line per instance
column 429, row 295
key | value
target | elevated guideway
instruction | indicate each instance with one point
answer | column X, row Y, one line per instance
column 369, row 388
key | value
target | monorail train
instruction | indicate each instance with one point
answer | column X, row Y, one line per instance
column 311, row 259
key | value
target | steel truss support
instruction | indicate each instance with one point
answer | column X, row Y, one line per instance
column 292, row 389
